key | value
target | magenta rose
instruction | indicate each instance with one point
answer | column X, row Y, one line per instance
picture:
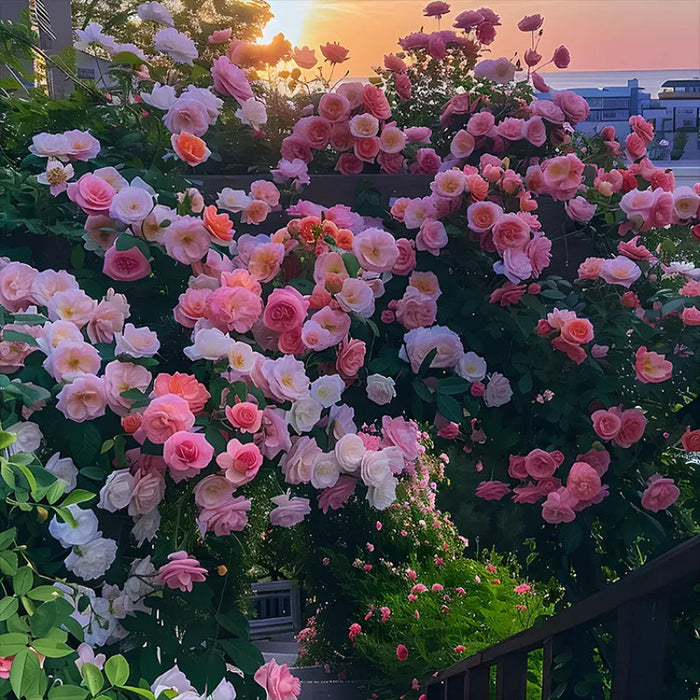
column 181, row 572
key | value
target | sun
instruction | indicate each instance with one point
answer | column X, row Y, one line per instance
column 289, row 19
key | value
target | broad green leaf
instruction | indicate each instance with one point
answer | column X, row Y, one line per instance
column 8, row 607
column 6, row 439
column 450, row 408
column 243, row 654
column 141, row 692
column 67, row 692
column 25, row 673
column 77, row 496
column 93, row 678
column 452, row 385
column 23, row 580
column 117, row 670
column 52, row 648
column 44, row 593
column 7, row 537
column 8, row 562
column 12, row 643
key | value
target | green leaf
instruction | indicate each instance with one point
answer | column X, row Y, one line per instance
column 234, row 622
column 44, row 593
column 7, row 537
column 525, row 383
column 452, row 385
column 77, row 496
column 12, row 643
column 67, row 692
column 18, row 337
column 422, row 391
column 52, row 648
column 243, row 654
column 117, row 670
column 85, row 442
column 66, row 516
column 8, row 562
column 450, row 408
column 93, row 678
column 6, row 439
column 23, row 580
column 25, row 674
column 141, row 692
column 8, row 607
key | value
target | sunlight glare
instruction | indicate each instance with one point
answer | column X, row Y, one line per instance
column 289, row 19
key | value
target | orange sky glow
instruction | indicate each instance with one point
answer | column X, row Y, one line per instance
column 601, row 34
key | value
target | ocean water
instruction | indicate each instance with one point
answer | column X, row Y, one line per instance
column 649, row 80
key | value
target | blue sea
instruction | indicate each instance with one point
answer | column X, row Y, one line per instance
column 649, row 80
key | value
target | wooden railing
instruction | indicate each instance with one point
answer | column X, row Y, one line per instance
column 639, row 603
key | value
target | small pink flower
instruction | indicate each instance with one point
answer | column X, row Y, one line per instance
column 651, row 367
column 181, row 572
column 660, row 493
column 401, row 652
column 278, row 682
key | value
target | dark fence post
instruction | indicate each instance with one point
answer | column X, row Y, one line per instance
column 511, row 676
column 455, row 688
column 477, row 685
column 640, row 647
column 436, row 691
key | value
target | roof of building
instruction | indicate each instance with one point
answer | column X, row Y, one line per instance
column 693, row 82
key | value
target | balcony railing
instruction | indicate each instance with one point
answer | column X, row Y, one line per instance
column 639, row 603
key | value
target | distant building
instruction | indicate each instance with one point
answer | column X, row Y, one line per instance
column 676, row 108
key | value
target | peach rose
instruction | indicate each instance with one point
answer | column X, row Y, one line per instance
column 351, row 357
column 187, row 147
column 83, row 399
column 184, row 385
column 246, row 416
column 651, row 367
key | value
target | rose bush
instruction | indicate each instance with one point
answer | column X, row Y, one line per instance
column 182, row 385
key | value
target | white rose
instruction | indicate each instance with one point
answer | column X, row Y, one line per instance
column 146, row 526
column 160, row 97
column 396, row 459
column 471, row 367
column 84, row 531
column 209, row 344
column 375, row 468
column 304, row 414
column 224, row 691
column 63, row 469
column 381, row 390
column 28, row 436
column 328, row 389
column 349, row 451
column 241, row 357
column 233, row 200
column 176, row 45
column 174, row 679
column 91, row 560
column 326, row 471
column 498, row 391
column 116, row 493
column 252, row 113
column 131, row 205
column 383, row 495
column 155, row 12
column 342, row 418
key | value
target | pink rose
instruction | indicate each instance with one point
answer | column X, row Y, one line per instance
column 632, row 426
column 92, row 194
column 635, row 146
column 337, row 496
column 126, row 265
column 415, row 309
column 278, row 682
column 580, row 209
column 335, row 53
column 643, row 128
column 432, row 237
column 83, row 399
column 187, row 114
column 334, row 107
column 229, row 79
column 289, row 511
column 530, row 23
column 181, row 572
column 540, row 464
column 184, row 451
column 285, row 309
column 148, row 492
column 511, row 128
column 583, row 481
column 406, row 261
column 534, row 131
column 402, row 434
column 187, row 240
column 316, row 131
column 492, row 490
column 403, row 86
column 165, row 416
column 607, row 423
column 375, row 249
column 558, row 507
column 651, row 367
column 304, row 57
column 561, row 57
column 245, row 415
column 16, row 286
column 481, row 216
column 481, row 124
column 351, row 357
column 574, row 106
column 659, row 494
column 349, row 164
column 366, row 149
column 510, row 231
column 375, row 101
column 620, row 270
column 547, row 110
column 231, row 515
column 428, row 161
column 294, row 147
column 233, row 308
column 241, row 461
column 691, row 316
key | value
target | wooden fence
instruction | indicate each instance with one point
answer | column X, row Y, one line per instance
column 639, row 604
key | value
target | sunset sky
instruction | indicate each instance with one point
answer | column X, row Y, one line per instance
column 601, row 34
